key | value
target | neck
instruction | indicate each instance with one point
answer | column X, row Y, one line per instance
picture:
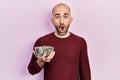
column 64, row 36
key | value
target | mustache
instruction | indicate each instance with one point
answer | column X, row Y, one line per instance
column 61, row 25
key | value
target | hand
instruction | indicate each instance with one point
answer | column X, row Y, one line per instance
column 44, row 58
column 50, row 57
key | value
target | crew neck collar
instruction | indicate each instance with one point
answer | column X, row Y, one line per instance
column 60, row 37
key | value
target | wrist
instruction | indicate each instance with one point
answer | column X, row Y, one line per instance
column 40, row 63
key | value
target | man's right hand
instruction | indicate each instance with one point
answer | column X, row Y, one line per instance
column 43, row 59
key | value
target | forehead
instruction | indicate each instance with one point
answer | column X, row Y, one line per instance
column 61, row 9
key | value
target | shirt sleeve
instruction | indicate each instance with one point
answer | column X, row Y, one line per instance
column 33, row 67
column 84, row 67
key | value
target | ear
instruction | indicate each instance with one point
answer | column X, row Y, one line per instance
column 71, row 19
column 52, row 19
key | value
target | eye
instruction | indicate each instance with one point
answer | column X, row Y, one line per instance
column 57, row 16
column 66, row 16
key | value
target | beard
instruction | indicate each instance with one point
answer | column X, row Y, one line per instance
column 61, row 29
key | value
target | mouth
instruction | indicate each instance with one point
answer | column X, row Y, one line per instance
column 61, row 28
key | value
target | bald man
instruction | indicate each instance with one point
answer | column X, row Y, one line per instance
column 69, row 60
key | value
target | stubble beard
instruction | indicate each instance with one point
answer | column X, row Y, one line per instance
column 61, row 33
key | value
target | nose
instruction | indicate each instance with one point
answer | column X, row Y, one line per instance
column 61, row 20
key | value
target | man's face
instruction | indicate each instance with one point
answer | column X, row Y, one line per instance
column 61, row 19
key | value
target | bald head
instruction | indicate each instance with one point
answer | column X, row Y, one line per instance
column 61, row 5
column 61, row 18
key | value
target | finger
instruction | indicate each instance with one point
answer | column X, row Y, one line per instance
column 33, row 52
column 51, row 55
column 44, row 55
column 42, row 58
column 47, row 60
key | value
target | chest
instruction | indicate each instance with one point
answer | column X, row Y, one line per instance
column 65, row 50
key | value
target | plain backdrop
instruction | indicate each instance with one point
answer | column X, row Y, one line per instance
column 24, row 21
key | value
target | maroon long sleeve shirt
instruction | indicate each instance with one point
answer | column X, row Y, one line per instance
column 70, row 61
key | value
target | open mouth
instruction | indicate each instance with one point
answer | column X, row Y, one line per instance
column 61, row 28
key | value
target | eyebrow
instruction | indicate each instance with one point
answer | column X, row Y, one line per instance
column 66, row 14
column 57, row 14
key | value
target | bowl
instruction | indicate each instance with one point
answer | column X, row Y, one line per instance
column 40, row 50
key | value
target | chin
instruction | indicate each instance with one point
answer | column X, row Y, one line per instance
column 62, row 34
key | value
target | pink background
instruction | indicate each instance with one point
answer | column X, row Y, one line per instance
column 23, row 21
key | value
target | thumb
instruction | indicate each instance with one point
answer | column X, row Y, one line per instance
column 33, row 52
column 44, row 55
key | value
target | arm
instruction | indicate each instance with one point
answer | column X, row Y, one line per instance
column 37, row 63
column 33, row 66
column 84, row 67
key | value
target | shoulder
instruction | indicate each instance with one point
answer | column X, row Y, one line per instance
column 78, row 39
column 74, row 36
column 47, row 36
column 44, row 38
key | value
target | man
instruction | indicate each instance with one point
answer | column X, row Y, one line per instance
column 69, row 61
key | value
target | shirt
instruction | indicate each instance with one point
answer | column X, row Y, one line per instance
column 70, row 61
